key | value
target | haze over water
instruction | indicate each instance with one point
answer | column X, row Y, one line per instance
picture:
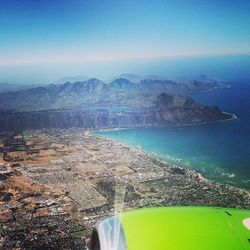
column 220, row 150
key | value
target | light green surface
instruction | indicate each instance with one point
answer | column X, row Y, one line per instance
column 186, row 228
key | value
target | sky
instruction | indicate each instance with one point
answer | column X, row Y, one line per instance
column 42, row 40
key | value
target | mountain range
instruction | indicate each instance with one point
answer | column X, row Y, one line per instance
column 166, row 110
column 94, row 92
column 121, row 103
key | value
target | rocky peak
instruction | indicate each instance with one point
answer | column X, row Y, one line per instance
column 174, row 101
column 121, row 83
column 88, row 86
column 65, row 86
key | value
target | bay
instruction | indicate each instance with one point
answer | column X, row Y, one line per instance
column 219, row 150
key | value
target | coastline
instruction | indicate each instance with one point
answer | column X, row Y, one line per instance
column 74, row 179
column 89, row 131
column 220, row 174
column 173, row 162
column 233, row 116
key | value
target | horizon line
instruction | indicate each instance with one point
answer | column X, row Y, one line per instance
column 72, row 60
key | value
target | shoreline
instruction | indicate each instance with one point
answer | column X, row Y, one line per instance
column 233, row 116
column 173, row 163
column 74, row 179
column 89, row 132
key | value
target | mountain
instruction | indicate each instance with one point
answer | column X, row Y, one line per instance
column 167, row 110
column 92, row 85
column 131, row 77
column 29, row 99
column 122, row 84
column 53, row 96
column 6, row 87
column 119, row 92
column 154, row 77
column 71, row 79
column 202, row 82
column 136, row 78
column 150, row 85
column 155, row 84
column 184, row 110
column 153, row 102
column 166, row 101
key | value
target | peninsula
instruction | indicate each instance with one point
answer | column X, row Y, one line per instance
column 93, row 104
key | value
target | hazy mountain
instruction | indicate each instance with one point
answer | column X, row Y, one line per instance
column 93, row 91
column 5, row 87
column 153, row 101
column 154, row 77
column 122, row 84
column 158, row 85
column 203, row 79
column 131, row 77
column 167, row 110
column 155, row 84
column 136, row 78
column 72, row 79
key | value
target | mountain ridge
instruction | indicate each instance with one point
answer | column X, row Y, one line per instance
column 94, row 91
column 167, row 110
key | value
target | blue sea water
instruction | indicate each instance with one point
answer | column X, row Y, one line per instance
column 219, row 150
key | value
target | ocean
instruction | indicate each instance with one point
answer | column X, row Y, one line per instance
column 218, row 150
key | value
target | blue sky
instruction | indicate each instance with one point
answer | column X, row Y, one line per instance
column 46, row 32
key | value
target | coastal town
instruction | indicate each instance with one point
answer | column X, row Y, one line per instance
column 56, row 184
